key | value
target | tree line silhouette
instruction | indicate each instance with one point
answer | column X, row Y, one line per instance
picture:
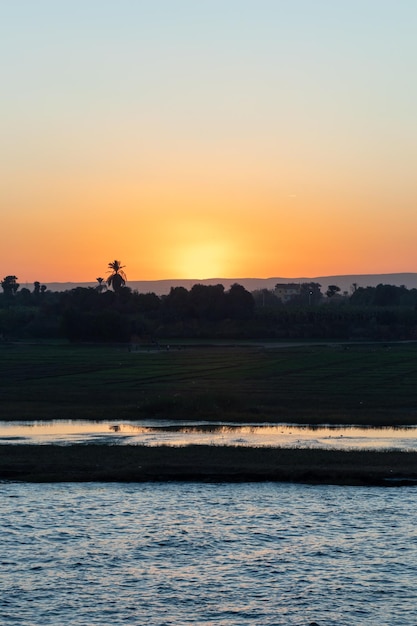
column 111, row 311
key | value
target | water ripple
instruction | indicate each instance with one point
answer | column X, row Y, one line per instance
column 264, row 555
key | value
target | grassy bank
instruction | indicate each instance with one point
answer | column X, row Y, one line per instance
column 356, row 384
column 205, row 463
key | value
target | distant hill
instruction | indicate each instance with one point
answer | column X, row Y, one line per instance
column 161, row 287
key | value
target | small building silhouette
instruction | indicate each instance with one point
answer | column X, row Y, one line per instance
column 287, row 291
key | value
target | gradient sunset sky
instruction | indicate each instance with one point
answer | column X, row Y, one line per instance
column 207, row 138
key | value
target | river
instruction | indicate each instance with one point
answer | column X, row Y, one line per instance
column 207, row 554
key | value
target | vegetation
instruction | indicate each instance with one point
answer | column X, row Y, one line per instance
column 351, row 384
column 10, row 286
column 98, row 314
column 117, row 277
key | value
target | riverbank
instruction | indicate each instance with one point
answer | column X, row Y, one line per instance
column 102, row 463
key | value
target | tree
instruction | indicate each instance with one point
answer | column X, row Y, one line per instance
column 101, row 284
column 38, row 289
column 265, row 298
column 176, row 305
column 208, row 302
column 241, row 304
column 387, row 295
column 332, row 290
column 10, row 285
column 310, row 294
column 117, row 278
column 24, row 297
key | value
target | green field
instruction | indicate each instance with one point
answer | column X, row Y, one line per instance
column 362, row 384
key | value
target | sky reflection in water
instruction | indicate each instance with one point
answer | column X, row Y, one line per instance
column 186, row 433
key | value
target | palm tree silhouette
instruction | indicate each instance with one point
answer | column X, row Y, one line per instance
column 101, row 284
column 117, row 278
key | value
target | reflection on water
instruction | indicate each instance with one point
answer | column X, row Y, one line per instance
column 153, row 433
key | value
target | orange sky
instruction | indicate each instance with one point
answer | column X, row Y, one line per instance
column 264, row 139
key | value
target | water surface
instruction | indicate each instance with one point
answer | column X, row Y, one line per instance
column 214, row 554
column 186, row 433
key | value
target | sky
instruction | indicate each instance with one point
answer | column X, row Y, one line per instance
column 207, row 138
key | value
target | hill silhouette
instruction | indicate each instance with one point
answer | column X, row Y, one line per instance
column 345, row 282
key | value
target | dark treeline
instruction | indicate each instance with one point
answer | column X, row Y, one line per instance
column 381, row 313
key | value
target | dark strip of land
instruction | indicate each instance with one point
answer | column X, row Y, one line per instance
column 81, row 463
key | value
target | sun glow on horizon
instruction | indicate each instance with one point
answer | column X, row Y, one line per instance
column 202, row 260
column 197, row 247
column 207, row 139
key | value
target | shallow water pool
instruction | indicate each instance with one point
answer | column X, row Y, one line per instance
column 176, row 433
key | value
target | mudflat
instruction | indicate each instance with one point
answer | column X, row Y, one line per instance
column 79, row 463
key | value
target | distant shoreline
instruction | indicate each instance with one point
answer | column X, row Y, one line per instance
column 200, row 463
